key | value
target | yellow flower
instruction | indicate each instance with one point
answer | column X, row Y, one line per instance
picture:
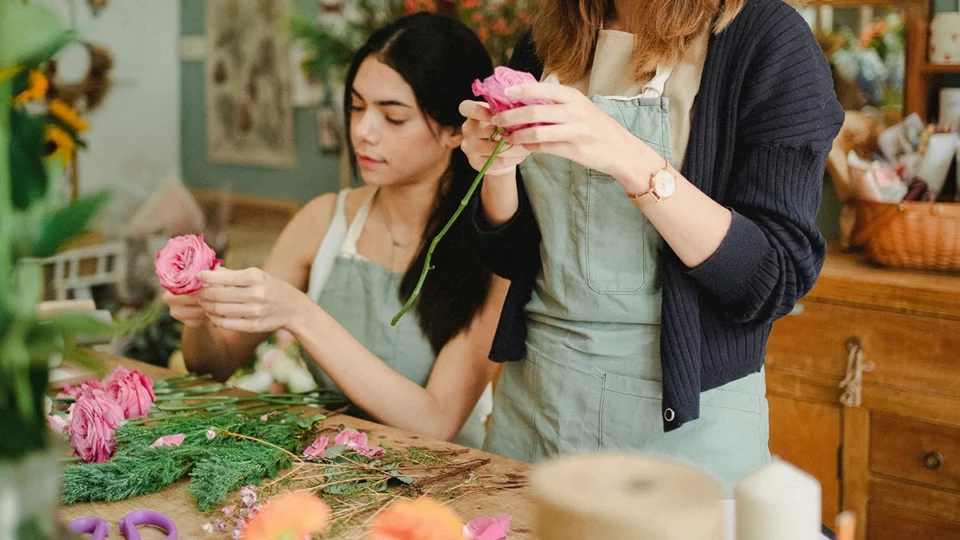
column 68, row 115
column 36, row 89
column 424, row 519
column 6, row 73
column 63, row 144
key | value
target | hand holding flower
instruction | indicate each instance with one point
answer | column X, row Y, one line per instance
column 250, row 300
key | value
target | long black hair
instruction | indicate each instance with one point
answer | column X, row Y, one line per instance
column 439, row 58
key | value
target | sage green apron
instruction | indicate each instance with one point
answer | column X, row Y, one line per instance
column 363, row 296
column 592, row 379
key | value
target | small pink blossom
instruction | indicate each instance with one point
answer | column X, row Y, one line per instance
column 168, row 440
column 93, row 419
column 71, row 391
column 180, row 262
column 264, row 418
column 317, row 448
column 237, row 534
column 132, row 390
column 211, row 434
column 488, row 528
column 227, row 511
column 371, row 451
column 57, row 424
column 248, row 494
column 351, row 438
column 221, row 524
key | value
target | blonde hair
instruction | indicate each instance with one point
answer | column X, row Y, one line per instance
column 565, row 31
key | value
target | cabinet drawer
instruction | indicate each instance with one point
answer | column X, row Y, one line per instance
column 909, row 351
column 915, row 450
column 886, row 522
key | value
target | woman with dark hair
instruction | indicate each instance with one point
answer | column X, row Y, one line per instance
column 655, row 221
column 342, row 267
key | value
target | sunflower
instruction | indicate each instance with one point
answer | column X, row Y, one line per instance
column 37, row 85
column 68, row 115
column 424, row 519
column 62, row 142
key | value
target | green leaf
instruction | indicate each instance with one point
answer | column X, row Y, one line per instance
column 33, row 33
column 26, row 158
column 76, row 323
column 67, row 223
column 334, row 452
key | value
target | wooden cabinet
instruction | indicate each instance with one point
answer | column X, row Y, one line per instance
column 894, row 459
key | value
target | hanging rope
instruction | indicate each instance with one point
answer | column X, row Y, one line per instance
column 853, row 382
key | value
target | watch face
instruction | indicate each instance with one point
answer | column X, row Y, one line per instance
column 665, row 183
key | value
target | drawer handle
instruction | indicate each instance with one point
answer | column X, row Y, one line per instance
column 933, row 460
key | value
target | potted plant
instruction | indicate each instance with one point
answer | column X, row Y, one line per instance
column 37, row 136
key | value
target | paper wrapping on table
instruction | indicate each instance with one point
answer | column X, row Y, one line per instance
column 625, row 497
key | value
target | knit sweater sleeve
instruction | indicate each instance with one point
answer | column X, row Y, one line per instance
column 786, row 119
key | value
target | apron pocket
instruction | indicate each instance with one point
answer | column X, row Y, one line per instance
column 629, row 412
column 616, row 238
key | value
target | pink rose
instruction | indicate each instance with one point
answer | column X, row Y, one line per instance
column 317, row 448
column 351, row 438
column 93, row 419
column 492, row 89
column 371, row 451
column 488, row 528
column 181, row 260
column 132, row 390
column 70, row 391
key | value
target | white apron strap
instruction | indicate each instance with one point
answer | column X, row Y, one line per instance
column 655, row 87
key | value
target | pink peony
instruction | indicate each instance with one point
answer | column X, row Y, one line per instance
column 93, row 419
column 169, row 440
column 492, row 89
column 317, row 448
column 180, row 262
column 488, row 528
column 132, row 390
column 351, row 438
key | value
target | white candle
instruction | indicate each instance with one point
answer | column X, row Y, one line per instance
column 778, row 501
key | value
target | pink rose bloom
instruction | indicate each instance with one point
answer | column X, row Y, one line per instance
column 93, row 419
column 317, row 448
column 57, row 424
column 351, row 438
column 169, row 440
column 70, row 391
column 180, row 262
column 132, row 390
column 488, row 528
column 492, row 89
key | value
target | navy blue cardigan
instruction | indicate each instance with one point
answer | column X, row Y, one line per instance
column 764, row 121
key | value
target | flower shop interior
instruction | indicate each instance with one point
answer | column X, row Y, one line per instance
column 224, row 118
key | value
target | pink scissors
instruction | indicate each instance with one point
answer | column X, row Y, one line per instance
column 99, row 528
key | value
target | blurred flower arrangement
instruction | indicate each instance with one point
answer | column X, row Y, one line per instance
column 873, row 61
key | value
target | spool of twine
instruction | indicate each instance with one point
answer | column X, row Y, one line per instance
column 626, row 497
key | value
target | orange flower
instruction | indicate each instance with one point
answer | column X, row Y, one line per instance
column 477, row 17
column 424, row 519
column 62, row 142
column 68, row 115
column 499, row 27
column 36, row 89
column 483, row 34
column 292, row 515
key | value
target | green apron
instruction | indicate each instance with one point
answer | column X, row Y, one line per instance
column 363, row 296
column 592, row 379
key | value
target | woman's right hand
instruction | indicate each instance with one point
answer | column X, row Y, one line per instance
column 477, row 132
column 186, row 309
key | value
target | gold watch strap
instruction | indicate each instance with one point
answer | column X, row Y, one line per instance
column 651, row 196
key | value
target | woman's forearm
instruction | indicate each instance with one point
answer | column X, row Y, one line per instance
column 370, row 383
column 690, row 222
column 219, row 352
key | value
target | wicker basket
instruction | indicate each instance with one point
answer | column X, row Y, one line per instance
column 919, row 235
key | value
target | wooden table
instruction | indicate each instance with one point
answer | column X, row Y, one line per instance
column 174, row 501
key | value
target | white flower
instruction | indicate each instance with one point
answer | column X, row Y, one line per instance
column 211, row 434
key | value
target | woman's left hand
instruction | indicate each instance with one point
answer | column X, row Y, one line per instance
column 578, row 130
column 249, row 300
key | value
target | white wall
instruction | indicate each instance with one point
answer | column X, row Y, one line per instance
column 134, row 138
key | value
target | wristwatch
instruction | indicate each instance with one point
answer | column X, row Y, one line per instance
column 662, row 185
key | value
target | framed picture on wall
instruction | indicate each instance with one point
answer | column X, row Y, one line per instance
column 249, row 97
